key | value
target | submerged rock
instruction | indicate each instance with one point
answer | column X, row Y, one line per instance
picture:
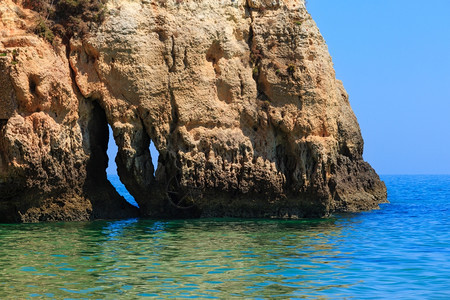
column 240, row 99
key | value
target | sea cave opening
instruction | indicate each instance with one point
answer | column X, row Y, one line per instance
column 154, row 153
column 111, row 170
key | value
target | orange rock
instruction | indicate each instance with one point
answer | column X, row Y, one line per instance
column 240, row 99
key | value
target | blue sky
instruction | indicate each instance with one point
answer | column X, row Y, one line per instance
column 394, row 59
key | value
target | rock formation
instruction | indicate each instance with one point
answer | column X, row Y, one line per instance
column 239, row 97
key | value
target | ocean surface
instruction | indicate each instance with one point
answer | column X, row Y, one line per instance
column 401, row 251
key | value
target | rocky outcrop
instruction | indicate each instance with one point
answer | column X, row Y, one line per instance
column 240, row 99
column 52, row 140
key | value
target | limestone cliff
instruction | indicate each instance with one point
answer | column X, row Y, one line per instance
column 239, row 97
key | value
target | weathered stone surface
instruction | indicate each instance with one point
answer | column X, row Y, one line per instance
column 240, row 99
column 53, row 160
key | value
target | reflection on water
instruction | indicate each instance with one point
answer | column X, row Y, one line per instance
column 401, row 250
column 204, row 258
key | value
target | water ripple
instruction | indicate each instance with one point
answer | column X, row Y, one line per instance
column 402, row 250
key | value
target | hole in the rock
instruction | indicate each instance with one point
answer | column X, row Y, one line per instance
column 155, row 155
column 32, row 86
column 111, row 171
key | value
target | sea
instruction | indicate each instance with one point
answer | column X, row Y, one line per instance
column 401, row 251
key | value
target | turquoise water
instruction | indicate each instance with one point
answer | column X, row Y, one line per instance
column 400, row 251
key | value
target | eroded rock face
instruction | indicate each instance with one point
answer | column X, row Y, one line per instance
column 52, row 140
column 240, row 99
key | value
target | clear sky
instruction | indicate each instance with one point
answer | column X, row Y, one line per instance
column 394, row 59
